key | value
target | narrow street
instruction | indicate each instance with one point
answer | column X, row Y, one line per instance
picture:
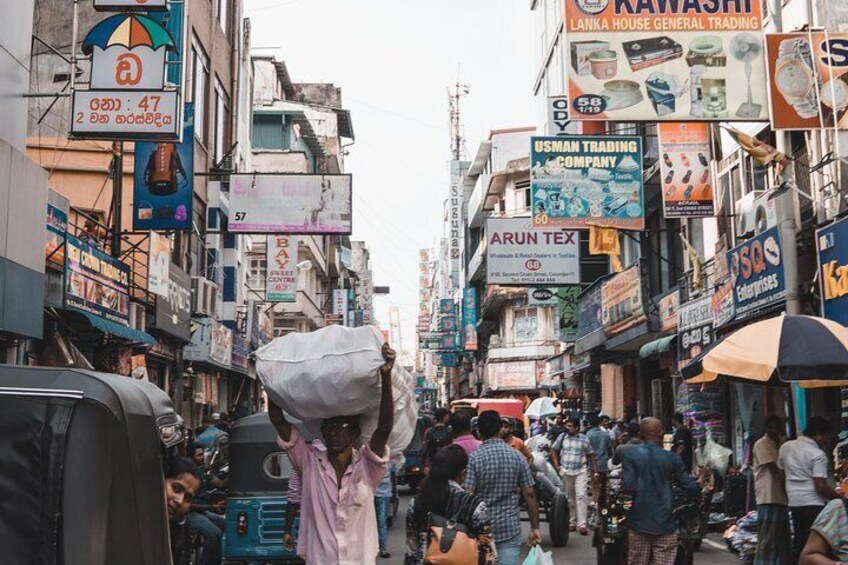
column 579, row 550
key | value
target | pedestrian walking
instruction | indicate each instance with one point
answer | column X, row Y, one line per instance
column 804, row 464
column 650, row 472
column 514, row 442
column 773, row 536
column 442, row 494
column 630, row 439
column 681, row 442
column 499, row 474
column 384, row 495
column 293, row 498
column 460, row 423
column 338, row 523
column 437, row 436
column 572, row 454
column 601, row 442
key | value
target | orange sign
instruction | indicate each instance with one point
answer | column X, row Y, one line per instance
column 685, row 174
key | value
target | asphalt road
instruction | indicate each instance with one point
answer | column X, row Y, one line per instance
column 579, row 550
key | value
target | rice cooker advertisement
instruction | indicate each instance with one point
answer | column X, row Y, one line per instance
column 756, row 270
column 808, row 79
column 660, row 60
column 687, row 184
column 577, row 181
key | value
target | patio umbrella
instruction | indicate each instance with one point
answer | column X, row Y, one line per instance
column 810, row 351
column 541, row 408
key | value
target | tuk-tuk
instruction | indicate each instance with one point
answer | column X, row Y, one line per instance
column 506, row 407
column 256, row 498
column 413, row 467
column 81, row 459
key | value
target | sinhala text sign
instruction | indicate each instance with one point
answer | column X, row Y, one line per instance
column 654, row 60
column 576, row 181
column 519, row 254
column 695, row 329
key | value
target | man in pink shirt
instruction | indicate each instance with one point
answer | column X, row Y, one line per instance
column 338, row 524
column 460, row 423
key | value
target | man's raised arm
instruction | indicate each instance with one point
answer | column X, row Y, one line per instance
column 386, row 420
column 284, row 429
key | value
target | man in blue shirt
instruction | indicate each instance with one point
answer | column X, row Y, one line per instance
column 650, row 473
column 601, row 443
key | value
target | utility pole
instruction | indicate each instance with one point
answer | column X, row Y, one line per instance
column 455, row 94
column 117, row 195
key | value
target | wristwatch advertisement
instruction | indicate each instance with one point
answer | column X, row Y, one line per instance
column 795, row 78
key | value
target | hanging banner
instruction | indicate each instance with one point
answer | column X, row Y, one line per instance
column 756, row 271
column 832, row 246
column 576, row 181
column 669, row 306
column 519, row 254
column 808, row 78
column 512, row 375
column 685, row 175
column 621, row 301
column 589, row 304
column 159, row 265
column 163, row 182
column 281, row 275
column 221, row 346
column 568, row 312
column 696, row 60
column 173, row 312
column 469, row 318
column 96, row 282
column 291, row 203
column 695, row 329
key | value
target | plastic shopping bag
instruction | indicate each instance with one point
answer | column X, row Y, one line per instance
column 715, row 456
column 539, row 557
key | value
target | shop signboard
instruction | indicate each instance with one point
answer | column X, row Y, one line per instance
column 621, row 301
column 832, row 246
column 57, row 226
column 469, row 319
column 724, row 309
column 130, row 5
column 446, row 307
column 756, row 271
column 695, row 329
column 568, row 312
column 340, row 305
column 558, row 115
column 589, row 305
column 577, row 181
column 96, row 282
column 449, row 341
column 163, row 182
column 519, row 254
column 159, row 264
column 511, row 375
column 281, row 272
column 173, row 311
column 221, row 347
column 650, row 60
column 685, row 174
column 241, row 352
column 542, row 296
column 449, row 359
column 447, row 324
column 669, row 305
column 808, row 79
column 291, row 203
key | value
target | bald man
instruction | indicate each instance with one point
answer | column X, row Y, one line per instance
column 649, row 473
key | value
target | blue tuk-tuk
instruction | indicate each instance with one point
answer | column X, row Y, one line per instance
column 256, row 498
column 413, row 468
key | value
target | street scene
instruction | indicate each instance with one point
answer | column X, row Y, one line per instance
column 325, row 282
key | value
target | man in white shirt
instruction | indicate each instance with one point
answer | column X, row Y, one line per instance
column 804, row 463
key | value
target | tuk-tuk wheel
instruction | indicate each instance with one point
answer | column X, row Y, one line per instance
column 558, row 517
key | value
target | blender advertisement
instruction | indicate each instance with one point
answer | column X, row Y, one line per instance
column 687, row 184
column 649, row 60
column 808, row 74
column 577, row 181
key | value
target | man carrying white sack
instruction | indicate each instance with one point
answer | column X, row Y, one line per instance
column 338, row 525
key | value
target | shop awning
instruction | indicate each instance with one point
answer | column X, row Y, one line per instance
column 657, row 346
column 118, row 330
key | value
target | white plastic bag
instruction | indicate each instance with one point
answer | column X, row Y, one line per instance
column 538, row 557
column 714, row 455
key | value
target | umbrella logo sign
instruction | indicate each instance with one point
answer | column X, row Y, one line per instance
column 129, row 69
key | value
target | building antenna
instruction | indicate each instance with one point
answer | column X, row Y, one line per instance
column 455, row 94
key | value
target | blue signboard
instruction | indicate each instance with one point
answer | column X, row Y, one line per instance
column 589, row 304
column 756, row 272
column 832, row 245
column 447, row 324
column 450, row 359
column 469, row 318
column 163, row 182
column 446, row 306
column 581, row 180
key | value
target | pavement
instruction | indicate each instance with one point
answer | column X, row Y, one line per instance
column 579, row 550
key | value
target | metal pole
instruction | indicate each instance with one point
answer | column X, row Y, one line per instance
column 117, row 196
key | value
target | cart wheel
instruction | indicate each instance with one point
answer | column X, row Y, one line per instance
column 558, row 517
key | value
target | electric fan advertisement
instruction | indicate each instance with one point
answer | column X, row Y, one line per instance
column 808, row 80
column 687, row 184
column 652, row 60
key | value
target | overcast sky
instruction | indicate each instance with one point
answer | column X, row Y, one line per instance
column 394, row 60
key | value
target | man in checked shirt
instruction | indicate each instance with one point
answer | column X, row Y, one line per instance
column 573, row 454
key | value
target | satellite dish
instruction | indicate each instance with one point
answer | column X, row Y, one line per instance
column 747, row 47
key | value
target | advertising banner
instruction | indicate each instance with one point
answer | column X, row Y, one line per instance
column 366, row 296
column 96, row 283
column 281, row 274
column 687, row 184
column 447, row 324
column 808, row 74
column 695, row 329
column 543, row 296
column 669, row 306
column 513, row 375
column 519, row 254
column 651, row 60
column 221, row 347
column 621, row 301
column 469, row 319
column 724, row 310
column 163, row 182
column 576, row 181
column 589, row 304
column 756, row 271
column 159, row 264
column 291, row 203
column 832, row 246
column 446, row 306
column 241, row 353
column 57, row 227
column 568, row 312
column 173, row 311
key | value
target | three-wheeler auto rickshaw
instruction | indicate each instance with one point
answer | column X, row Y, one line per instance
column 256, row 498
column 81, row 460
column 412, row 471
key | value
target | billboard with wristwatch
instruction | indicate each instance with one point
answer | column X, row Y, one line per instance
column 665, row 61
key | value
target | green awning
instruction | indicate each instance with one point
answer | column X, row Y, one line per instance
column 657, row 346
column 118, row 330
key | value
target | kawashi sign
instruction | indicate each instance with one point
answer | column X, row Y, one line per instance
column 519, row 254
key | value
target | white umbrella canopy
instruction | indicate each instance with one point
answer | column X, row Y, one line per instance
column 541, row 408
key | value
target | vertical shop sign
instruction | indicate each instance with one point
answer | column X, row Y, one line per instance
column 669, row 306
column 695, row 329
column 281, row 261
column 159, row 265
column 469, row 318
column 57, row 228
column 685, row 175
column 568, row 312
column 832, row 246
column 96, row 282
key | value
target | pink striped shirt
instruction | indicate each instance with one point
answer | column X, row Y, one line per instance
column 338, row 525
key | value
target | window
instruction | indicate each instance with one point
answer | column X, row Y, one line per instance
column 224, row 15
column 258, row 267
column 526, row 325
column 269, row 132
column 222, row 116
column 200, row 91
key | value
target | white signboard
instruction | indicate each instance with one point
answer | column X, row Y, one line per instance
column 281, row 277
column 515, row 375
column 118, row 68
column 454, row 220
column 519, row 254
column 128, row 5
column 558, row 115
column 124, row 114
column 340, row 308
column 159, row 270
column 307, row 204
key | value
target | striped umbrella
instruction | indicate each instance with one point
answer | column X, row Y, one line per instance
column 129, row 30
column 810, row 351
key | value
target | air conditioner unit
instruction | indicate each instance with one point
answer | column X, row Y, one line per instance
column 138, row 316
column 203, row 296
column 755, row 213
